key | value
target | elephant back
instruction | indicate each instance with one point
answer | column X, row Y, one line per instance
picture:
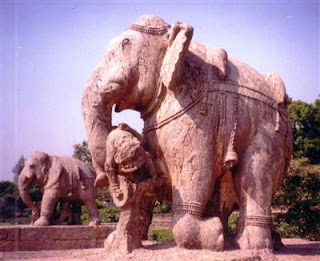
column 240, row 77
column 77, row 168
column 269, row 85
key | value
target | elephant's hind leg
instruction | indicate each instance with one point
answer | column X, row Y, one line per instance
column 257, row 177
column 90, row 202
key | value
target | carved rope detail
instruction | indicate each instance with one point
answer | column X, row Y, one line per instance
column 192, row 208
column 235, row 89
column 231, row 158
column 235, row 121
column 258, row 221
column 173, row 117
column 149, row 30
column 156, row 101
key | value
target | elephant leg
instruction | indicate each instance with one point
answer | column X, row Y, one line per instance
column 90, row 202
column 48, row 204
column 193, row 184
column 259, row 175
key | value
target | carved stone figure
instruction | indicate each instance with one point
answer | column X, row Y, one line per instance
column 132, row 180
column 218, row 130
column 63, row 179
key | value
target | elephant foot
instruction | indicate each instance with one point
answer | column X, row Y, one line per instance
column 42, row 221
column 194, row 232
column 109, row 241
column 254, row 237
column 211, row 233
column 121, row 242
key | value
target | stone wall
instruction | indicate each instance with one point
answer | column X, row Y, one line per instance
column 30, row 238
column 161, row 221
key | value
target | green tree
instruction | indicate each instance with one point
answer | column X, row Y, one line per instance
column 8, row 199
column 18, row 168
column 306, row 130
column 300, row 193
column 81, row 152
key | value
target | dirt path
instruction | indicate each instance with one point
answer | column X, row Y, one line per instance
column 295, row 250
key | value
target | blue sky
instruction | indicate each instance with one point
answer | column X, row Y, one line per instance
column 50, row 48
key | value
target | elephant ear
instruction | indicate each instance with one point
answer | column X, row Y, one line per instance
column 180, row 36
column 54, row 173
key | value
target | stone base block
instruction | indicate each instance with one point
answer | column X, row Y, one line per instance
column 30, row 238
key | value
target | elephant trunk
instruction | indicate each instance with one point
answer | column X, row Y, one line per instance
column 24, row 185
column 97, row 118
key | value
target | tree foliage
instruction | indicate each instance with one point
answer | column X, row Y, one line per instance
column 18, row 168
column 305, row 119
column 300, row 194
column 81, row 152
column 11, row 204
column 8, row 197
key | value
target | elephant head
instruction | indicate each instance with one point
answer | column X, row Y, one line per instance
column 125, row 159
column 139, row 63
column 34, row 172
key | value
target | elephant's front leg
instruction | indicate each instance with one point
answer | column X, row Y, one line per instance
column 259, row 174
column 48, row 204
column 192, row 168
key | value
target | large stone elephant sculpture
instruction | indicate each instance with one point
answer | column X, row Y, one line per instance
column 63, row 179
column 218, row 131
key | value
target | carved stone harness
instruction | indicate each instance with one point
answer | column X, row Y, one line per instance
column 233, row 88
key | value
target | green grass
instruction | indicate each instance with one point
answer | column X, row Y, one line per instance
column 162, row 235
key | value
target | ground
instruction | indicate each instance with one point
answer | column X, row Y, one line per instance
column 295, row 250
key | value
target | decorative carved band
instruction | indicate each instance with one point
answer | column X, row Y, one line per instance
column 233, row 88
column 246, row 91
column 192, row 208
column 174, row 116
column 156, row 101
column 149, row 30
column 258, row 221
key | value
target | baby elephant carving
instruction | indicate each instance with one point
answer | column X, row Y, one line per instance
column 131, row 176
column 63, row 179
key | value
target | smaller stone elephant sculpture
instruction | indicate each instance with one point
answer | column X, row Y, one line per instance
column 133, row 183
column 62, row 179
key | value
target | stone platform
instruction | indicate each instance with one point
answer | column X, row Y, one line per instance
column 30, row 238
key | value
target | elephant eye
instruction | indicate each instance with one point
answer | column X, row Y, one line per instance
column 125, row 42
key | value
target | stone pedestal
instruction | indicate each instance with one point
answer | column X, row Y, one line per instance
column 30, row 238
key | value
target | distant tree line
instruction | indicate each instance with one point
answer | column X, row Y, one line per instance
column 299, row 193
